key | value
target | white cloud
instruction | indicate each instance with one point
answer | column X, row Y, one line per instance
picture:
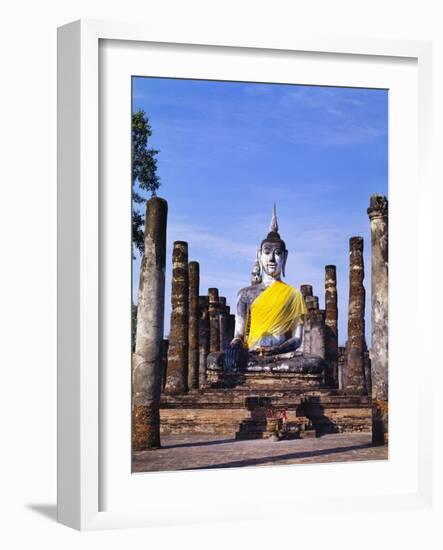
column 214, row 244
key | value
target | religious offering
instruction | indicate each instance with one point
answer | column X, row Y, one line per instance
column 260, row 275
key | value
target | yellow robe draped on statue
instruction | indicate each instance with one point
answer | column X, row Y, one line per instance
column 276, row 311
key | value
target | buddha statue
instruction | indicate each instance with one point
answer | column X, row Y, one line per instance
column 269, row 317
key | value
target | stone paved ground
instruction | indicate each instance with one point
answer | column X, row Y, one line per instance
column 195, row 452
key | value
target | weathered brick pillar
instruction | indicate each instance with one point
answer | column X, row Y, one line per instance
column 311, row 303
column 177, row 372
column 222, row 317
column 317, row 329
column 147, row 368
column 214, row 326
column 331, row 325
column 378, row 214
column 355, row 361
column 203, row 338
column 306, row 290
column 193, row 354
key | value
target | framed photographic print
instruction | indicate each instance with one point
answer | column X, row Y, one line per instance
column 234, row 232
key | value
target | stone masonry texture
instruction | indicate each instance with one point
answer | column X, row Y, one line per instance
column 177, row 371
column 214, row 325
column 147, row 359
column 203, row 338
column 331, row 325
column 193, row 353
column 355, row 364
column 378, row 215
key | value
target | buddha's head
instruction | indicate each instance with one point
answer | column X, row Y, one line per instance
column 273, row 251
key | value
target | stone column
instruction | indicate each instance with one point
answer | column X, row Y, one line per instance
column 317, row 332
column 355, row 361
column 177, row 372
column 306, row 290
column 214, row 327
column 193, row 359
column 203, row 338
column 311, row 303
column 147, row 368
column 331, row 325
column 378, row 214
column 222, row 316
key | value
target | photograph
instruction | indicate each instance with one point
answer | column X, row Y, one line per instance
column 259, row 274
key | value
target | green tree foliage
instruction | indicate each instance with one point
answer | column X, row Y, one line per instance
column 144, row 174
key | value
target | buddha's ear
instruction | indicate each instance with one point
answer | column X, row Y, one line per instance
column 284, row 263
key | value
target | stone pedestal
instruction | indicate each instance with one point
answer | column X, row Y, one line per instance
column 292, row 370
column 378, row 215
column 147, row 358
column 177, row 372
column 355, row 360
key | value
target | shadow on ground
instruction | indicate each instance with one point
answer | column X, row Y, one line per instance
column 48, row 511
column 198, row 443
column 287, row 456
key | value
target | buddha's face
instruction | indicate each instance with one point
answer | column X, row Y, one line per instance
column 273, row 258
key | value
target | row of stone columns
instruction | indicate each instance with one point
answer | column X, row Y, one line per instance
column 321, row 329
column 363, row 374
column 199, row 325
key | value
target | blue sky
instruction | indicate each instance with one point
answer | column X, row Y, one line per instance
column 228, row 150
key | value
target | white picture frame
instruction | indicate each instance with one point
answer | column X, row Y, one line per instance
column 82, row 399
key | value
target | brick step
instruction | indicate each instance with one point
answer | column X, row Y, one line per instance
column 241, row 401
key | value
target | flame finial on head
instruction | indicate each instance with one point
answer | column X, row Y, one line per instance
column 273, row 227
column 273, row 235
